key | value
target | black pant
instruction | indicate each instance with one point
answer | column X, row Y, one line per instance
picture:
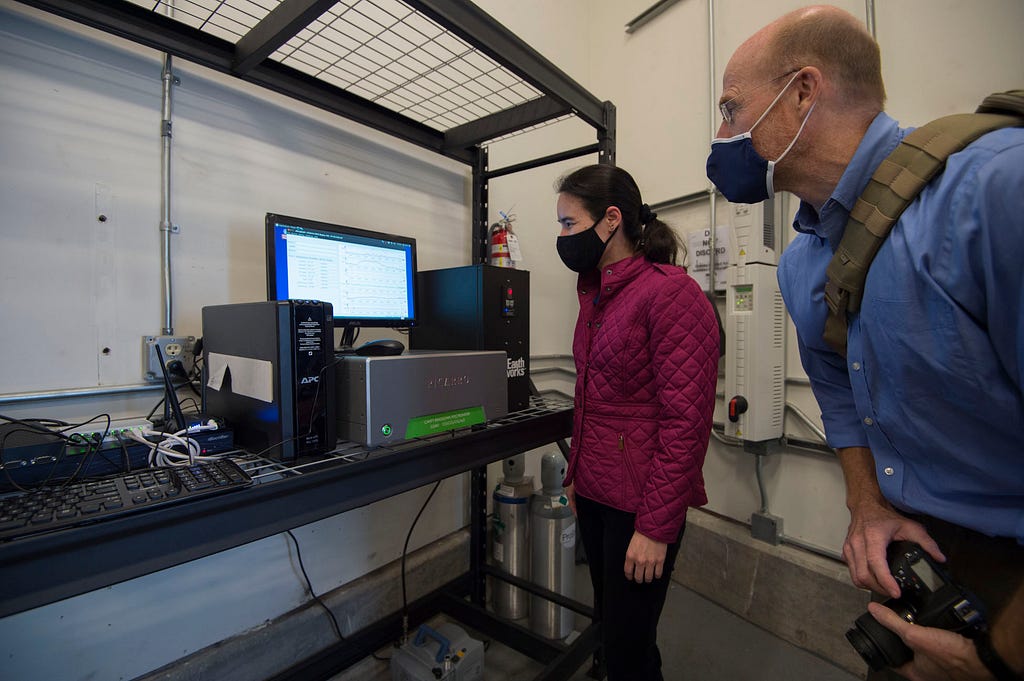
column 992, row 568
column 628, row 611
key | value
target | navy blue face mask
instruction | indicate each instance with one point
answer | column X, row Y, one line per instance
column 739, row 172
column 581, row 252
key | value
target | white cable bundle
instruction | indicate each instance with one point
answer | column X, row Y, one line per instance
column 162, row 454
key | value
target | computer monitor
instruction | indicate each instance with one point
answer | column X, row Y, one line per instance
column 369, row 277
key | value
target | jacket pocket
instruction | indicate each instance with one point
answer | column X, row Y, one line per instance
column 630, row 468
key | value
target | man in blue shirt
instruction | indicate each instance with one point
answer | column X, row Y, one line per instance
column 926, row 410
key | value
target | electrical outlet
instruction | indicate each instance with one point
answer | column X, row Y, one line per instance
column 173, row 348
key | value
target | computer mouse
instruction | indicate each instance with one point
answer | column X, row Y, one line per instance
column 380, row 348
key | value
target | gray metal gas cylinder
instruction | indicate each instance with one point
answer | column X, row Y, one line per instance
column 553, row 527
column 510, row 537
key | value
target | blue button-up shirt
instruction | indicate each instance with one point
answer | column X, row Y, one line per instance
column 932, row 382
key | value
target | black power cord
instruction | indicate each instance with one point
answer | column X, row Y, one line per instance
column 405, row 549
column 334, row 620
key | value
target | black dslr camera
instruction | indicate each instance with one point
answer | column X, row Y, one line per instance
column 928, row 596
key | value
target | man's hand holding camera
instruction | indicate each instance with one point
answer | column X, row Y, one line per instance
column 939, row 655
column 874, row 524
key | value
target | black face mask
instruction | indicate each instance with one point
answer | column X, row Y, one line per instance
column 581, row 251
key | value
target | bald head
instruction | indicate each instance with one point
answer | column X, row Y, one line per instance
column 828, row 38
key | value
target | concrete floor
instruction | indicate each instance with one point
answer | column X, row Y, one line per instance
column 699, row 641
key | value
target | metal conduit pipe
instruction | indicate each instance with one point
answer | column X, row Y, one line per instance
column 869, row 10
column 759, row 469
column 15, row 398
column 813, row 548
column 552, row 370
column 818, row 432
column 166, row 227
column 713, row 110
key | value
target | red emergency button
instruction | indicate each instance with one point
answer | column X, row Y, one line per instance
column 737, row 405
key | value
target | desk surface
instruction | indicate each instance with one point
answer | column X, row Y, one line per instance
column 49, row 567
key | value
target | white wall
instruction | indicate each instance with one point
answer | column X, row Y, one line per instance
column 79, row 124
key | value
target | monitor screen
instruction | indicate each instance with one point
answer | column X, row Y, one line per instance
column 369, row 277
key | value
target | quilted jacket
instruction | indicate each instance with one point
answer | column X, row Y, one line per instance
column 646, row 352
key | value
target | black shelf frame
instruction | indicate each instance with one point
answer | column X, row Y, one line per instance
column 48, row 568
column 45, row 568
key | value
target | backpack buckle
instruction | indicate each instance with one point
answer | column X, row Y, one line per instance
column 837, row 298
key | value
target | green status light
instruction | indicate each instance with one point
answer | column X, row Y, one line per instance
column 386, row 429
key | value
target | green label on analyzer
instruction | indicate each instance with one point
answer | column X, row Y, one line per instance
column 448, row 420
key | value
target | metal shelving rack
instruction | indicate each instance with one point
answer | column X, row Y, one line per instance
column 440, row 74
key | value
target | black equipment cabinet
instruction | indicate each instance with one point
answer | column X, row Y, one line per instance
column 478, row 307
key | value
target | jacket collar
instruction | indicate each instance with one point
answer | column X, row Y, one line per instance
column 611, row 278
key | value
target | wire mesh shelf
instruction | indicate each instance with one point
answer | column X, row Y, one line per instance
column 381, row 50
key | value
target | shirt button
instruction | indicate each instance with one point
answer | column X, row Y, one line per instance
column 607, row 271
column 868, row 421
column 856, row 366
column 588, row 325
column 599, row 325
column 607, row 289
column 889, row 470
column 583, row 291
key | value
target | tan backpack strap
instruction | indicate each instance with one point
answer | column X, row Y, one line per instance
column 895, row 184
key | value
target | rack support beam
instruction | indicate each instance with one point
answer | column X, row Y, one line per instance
column 275, row 29
column 533, row 112
column 478, row 28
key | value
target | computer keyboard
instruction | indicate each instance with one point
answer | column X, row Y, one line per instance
column 48, row 508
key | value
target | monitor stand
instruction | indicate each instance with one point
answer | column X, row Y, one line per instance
column 348, row 339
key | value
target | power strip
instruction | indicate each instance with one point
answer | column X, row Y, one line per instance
column 90, row 434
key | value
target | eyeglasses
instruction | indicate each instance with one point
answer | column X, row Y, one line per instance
column 728, row 107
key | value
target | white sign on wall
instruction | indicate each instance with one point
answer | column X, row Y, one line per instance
column 699, row 246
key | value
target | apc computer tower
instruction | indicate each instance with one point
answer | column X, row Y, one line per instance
column 478, row 307
column 270, row 375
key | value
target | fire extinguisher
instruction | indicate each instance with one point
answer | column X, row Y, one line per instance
column 503, row 242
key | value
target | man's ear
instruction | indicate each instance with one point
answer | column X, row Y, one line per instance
column 808, row 86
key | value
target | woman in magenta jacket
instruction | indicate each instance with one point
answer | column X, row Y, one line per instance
column 646, row 353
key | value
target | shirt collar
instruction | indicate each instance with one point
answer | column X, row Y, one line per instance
column 881, row 138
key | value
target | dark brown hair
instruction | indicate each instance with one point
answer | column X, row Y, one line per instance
column 599, row 187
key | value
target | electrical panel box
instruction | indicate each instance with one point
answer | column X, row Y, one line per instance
column 755, row 323
column 755, row 353
column 756, row 231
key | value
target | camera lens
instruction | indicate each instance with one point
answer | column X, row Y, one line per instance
column 878, row 646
